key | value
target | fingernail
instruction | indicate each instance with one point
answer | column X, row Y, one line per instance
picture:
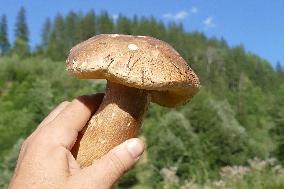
column 135, row 147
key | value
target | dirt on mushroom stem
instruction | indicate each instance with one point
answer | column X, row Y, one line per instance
column 118, row 118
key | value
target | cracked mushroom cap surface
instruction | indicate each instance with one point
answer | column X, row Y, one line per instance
column 136, row 61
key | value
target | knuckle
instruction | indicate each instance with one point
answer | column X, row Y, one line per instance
column 43, row 138
column 117, row 164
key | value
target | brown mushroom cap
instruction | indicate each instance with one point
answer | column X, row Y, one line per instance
column 136, row 61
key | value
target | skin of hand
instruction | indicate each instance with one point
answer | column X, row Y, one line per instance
column 45, row 160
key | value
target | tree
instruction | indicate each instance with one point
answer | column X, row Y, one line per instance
column 144, row 27
column 278, row 67
column 135, row 25
column 4, row 42
column 124, row 25
column 46, row 33
column 87, row 26
column 56, row 46
column 71, row 30
column 21, row 44
column 105, row 23
column 279, row 73
column 278, row 130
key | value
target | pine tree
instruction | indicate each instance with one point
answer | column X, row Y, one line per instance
column 279, row 75
column 21, row 44
column 278, row 117
column 105, row 23
column 124, row 25
column 71, row 30
column 135, row 25
column 4, row 42
column 144, row 27
column 46, row 33
column 87, row 26
column 56, row 46
column 278, row 68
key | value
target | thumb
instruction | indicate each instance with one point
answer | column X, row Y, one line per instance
column 103, row 173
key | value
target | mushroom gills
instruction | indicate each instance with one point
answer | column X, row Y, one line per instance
column 118, row 118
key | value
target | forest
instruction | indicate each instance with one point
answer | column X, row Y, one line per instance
column 230, row 135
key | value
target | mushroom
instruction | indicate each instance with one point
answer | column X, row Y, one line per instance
column 137, row 69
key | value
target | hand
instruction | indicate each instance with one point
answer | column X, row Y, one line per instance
column 45, row 160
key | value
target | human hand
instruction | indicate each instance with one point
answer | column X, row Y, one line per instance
column 45, row 160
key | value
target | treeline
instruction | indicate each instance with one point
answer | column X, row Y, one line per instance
column 238, row 114
column 60, row 35
column 205, row 55
column 20, row 45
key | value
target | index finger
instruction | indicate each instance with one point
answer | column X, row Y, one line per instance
column 64, row 128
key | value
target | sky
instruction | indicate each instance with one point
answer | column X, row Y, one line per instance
column 258, row 25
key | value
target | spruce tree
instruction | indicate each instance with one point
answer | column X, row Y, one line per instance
column 105, row 23
column 71, row 30
column 135, row 25
column 21, row 44
column 57, row 46
column 46, row 32
column 124, row 25
column 4, row 42
column 87, row 26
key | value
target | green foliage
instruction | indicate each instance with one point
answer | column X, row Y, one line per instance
column 257, row 175
column 203, row 135
column 21, row 48
column 32, row 88
column 278, row 130
column 8, row 165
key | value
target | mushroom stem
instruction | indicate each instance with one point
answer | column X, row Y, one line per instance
column 118, row 118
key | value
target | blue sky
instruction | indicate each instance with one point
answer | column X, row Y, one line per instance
column 257, row 24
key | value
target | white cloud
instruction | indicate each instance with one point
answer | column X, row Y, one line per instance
column 194, row 10
column 209, row 22
column 181, row 15
column 178, row 16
